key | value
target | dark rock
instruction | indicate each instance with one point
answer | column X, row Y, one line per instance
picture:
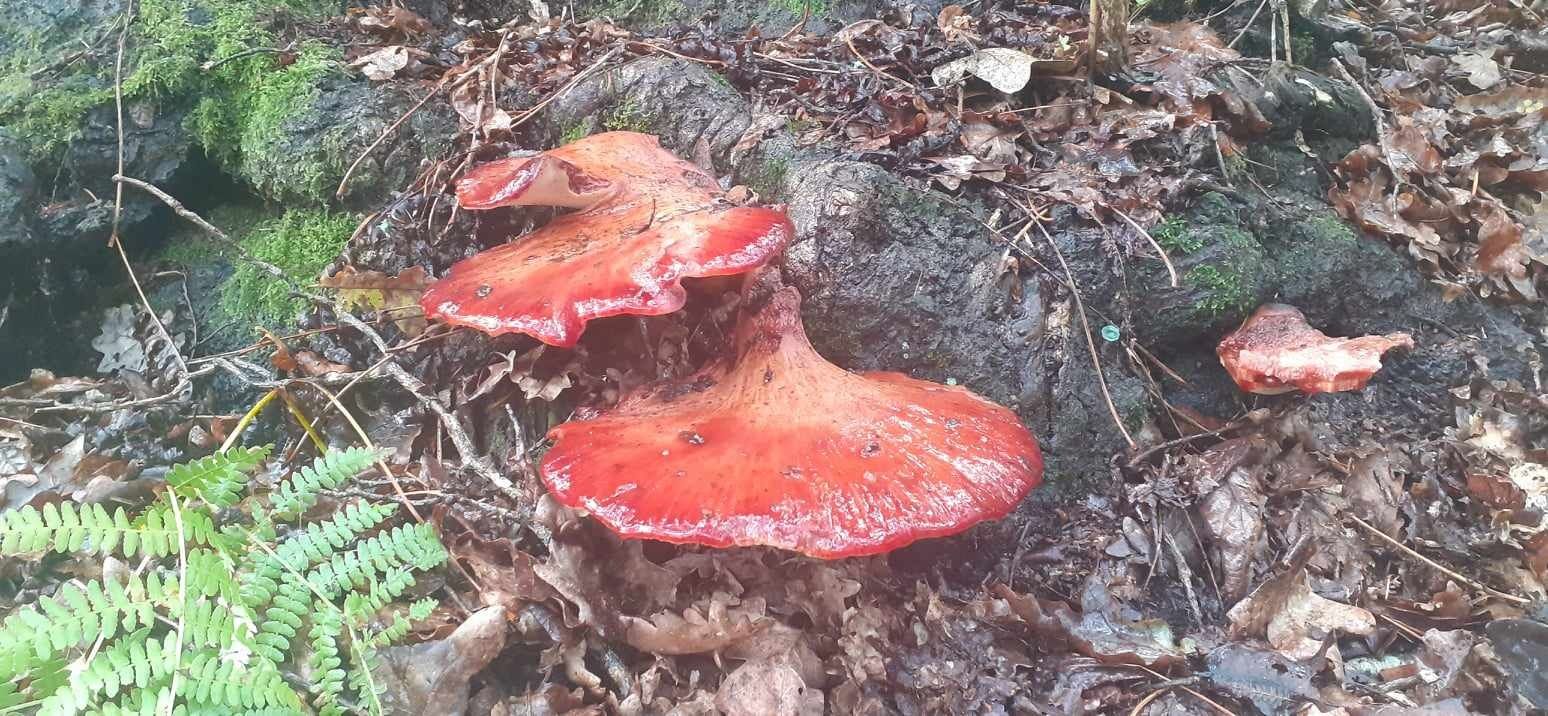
column 52, row 29
column 1223, row 273
column 1303, row 254
column 682, row 103
column 18, row 187
column 156, row 148
column 731, row 17
column 316, row 146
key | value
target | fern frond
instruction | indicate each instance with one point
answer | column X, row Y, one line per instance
column 217, row 480
column 144, row 702
column 34, row 632
column 362, row 676
column 212, row 575
column 284, row 613
column 400, row 624
column 298, row 494
column 415, row 546
column 328, row 672
column 134, row 660
column 90, row 529
column 321, row 540
column 10, row 697
column 218, row 625
column 359, row 606
column 212, row 680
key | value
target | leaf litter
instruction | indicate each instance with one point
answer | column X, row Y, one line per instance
column 1254, row 570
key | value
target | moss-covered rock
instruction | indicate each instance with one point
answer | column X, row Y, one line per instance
column 733, row 16
column 1223, row 273
column 303, row 157
column 300, row 241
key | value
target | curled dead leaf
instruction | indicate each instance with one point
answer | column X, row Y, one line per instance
column 1294, row 619
column 395, row 296
column 723, row 621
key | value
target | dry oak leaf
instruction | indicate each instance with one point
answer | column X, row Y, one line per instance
column 1294, row 619
column 719, row 624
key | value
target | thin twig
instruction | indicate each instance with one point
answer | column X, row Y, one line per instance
column 247, row 419
column 453, row 426
column 460, row 79
column 118, row 200
column 1376, row 117
column 850, row 41
column 1170, row 270
column 249, row 52
column 182, row 593
column 118, row 103
column 532, row 112
column 183, row 211
column 306, row 423
column 1080, row 309
column 1405, row 549
column 344, row 180
column 1247, row 26
column 370, row 445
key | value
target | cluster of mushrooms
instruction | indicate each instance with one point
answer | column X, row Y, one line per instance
column 772, row 445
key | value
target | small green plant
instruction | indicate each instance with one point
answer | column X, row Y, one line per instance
column 1173, row 235
column 230, row 606
column 627, row 117
column 573, row 134
column 1224, row 292
column 300, row 242
column 798, row 7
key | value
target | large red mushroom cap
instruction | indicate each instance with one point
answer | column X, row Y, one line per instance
column 1276, row 351
column 781, row 448
column 644, row 220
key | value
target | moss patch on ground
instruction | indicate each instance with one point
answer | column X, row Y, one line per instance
column 238, row 103
column 627, row 117
column 301, row 243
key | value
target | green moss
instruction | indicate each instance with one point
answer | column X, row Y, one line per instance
column 1324, row 227
column 647, row 12
column 627, row 117
column 192, row 248
column 238, row 103
column 1225, row 290
column 767, row 177
column 573, row 134
column 300, row 242
column 1173, row 235
column 798, row 7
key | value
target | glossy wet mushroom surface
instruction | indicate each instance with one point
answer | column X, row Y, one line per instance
column 643, row 221
column 779, row 447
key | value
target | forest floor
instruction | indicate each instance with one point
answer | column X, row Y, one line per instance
column 1194, row 549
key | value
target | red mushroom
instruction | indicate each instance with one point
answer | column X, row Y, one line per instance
column 1276, row 351
column 779, row 447
column 644, row 220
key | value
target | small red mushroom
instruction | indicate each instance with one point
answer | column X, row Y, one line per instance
column 779, row 447
column 644, row 220
column 1276, row 351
